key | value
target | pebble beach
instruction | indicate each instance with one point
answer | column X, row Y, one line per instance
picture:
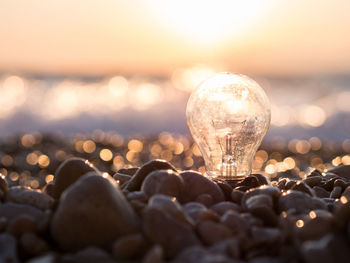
column 107, row 198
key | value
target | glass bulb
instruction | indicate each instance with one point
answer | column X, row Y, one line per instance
column 228, row 116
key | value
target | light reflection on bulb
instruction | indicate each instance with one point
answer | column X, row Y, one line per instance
column 228, row 116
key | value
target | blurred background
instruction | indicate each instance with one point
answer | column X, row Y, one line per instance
column 127, row 68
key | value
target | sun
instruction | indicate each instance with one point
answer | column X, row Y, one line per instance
column 208, row 22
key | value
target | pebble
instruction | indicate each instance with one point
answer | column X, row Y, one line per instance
column 261, row 206
column 33, row 245
column 250, row 181
column 121, row 178
column 299, row 202
column 47, row 258
column 8, row 249
column 77, row 222
column 321, row 192
column 196, row 184
column 271, row 191
column 236, row 196
column 262, row 179
column 229, row 247
column 22, row 195
column 211, row 232
column 236, row 223
column 290, row 184
column 88, row 255
column 303, row 187
column 166, row 182
column 69, row 172
column 128, row 171
column 135, row 182
column 336, row 192
column 129, row 247
column 226, row 188
column 342, row 171
column 205, row 199
column 154, row 255
column 172, row 234
column 313, row 180
column 22, row 224
column 171, row 207
column 198, row 212
column 222, row 207
column 315, row 225
column 265, row 236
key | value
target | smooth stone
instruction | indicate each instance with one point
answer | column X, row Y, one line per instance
column 194, row 254
column 252, row 220
column 137, row 195
column 196, row 184
column 121, row 178
column 229, row 246
column 22, row 224
column 172, row 234
column 315, row 227
column 47, row 258
column 303, row 187
column 33, row 245
column 265, row 260
column 262, row 179
column 128, row 171
column 250, row 181
column 236, row 196
column 135, row 182
column 8, row 249
column 222, row 207
column 3, row 184
column 336, row 192
column 22, row 195
column 299, row 202
column 11, row 211
column 88, row 255
column 49, row 189
column 3, row 223
column 271, row 191
column 170, row 206
column 346, row 192
column 226, row 188
column 328, row 185
column 261, row 206
column 154, row 255
column 265, row 235
column 211, row 232
column 342, row 213
column 342, row 171
column 341, row 183
column 205, row 199
column 281, row 184
column 314, row 172
column 92, row 212
column 198, row 212
column 330, row 248
column 166, row 182
column 129, row 247
column 236, row 223
column 69, row 172
column 312, row 180
column 321, row 192
column 290, row 184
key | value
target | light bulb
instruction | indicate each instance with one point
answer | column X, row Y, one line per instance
column 228, row 116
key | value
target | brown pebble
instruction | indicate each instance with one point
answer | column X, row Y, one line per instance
column 205, row 199
column 166, row 182
column 290, row 184
column 336, row 192
column 303, row 187
column 154, row 255
column 128, row 171
column 136, row 181
column 236, row 196
column 33, row 245
column 250, row 181
column 341, row 183
column 129, row 247
column 69, row 172
column 8, row 249
column 226, row 189
column 312, row 180
column 261, row 179
column 3, row 223
column 321, row 192
column 211, row 232
column 196, row 184
column 21, row 224
column 342, row 171
column 328, row 185
column 236, row 223
column 222, row 207
column 121, row 178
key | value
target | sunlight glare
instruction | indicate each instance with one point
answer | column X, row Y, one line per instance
column 209, row 22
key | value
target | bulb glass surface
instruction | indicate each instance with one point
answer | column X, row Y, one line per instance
column 228, row 116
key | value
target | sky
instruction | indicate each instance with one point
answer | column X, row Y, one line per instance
column 275, row 37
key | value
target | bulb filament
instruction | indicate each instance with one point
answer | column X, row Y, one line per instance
column 229, row 167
